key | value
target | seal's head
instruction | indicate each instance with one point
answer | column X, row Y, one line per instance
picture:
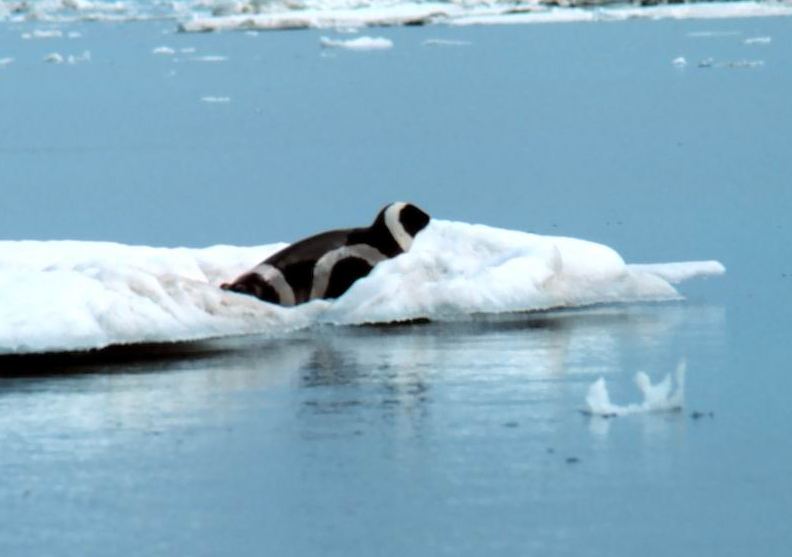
column 402, row 221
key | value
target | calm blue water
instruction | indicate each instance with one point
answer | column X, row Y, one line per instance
column 421, row 440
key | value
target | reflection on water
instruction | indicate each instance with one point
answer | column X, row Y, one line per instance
column 434, row 428
column 527, row 362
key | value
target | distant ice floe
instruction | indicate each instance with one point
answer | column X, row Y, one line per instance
column 63, row 296
column 444, row 42
column 758, row 40
column 219, row 100
column 6, row 62
column 164, row 50
column 679, row 62
column 209, row 58
column 661, row 397
column 58, row 58
column 43, row 34
column 731, row 64
column 252, row 15
column 359, row 43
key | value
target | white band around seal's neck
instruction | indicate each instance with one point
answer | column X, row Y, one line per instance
column 395, row 227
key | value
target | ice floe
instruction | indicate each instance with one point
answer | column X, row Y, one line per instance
column 61, row 295
column 6, row 62
column 219, row 15
column 359, row 43
column 664, row 396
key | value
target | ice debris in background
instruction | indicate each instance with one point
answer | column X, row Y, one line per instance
column 43, row 34
column 445, row 42
column 679, row 62
column 660, row 397
column 60, row 296
column 758, row 40
column 164, row 50
column 58, row 58
column 211, row 58
column 6, row 62
column 216, row 100
column 215, row 15
column 359, row 43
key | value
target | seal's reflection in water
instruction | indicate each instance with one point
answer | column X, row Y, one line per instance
column 516, row 367
column 367, row 431
column 487, row 372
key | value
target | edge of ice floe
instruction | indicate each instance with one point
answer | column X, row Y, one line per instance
column 458, row 15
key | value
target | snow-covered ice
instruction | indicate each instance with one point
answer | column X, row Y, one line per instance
column 215, row 15
column 660, row 397
column 358, row 43
column 65, row 295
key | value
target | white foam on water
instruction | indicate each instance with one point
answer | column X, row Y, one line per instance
column 664, row 396
column 61, row 295
column 359, row 43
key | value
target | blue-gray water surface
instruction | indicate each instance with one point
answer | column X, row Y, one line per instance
column 427, row 439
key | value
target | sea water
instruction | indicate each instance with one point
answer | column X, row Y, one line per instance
column 462, row 438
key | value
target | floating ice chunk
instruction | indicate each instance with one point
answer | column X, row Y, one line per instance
column 445, row 42
column 83, row 295
column 713, row 34
column 221, row 100
column 758, row 40
column 43, row 34
column 679, row 62
column 359, row 43
column 54, row 58
column 660, row 397
column 210, row 58
column 744, row 64
column 165, row 50
column 706, row 63
column 77, row 59
column 74, row 35
column 5, row 62
column 188, row 50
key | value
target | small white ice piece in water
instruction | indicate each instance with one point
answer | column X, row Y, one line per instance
column 5, row 62
column 210, row 58
column 44, row 34
column 166, row 50
column 679, row 62
column 210, row 99
column 359, row 43
column 656, row 398
column 84, row 57
column 444, row 42
column 758, row 40
column 54, row 58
